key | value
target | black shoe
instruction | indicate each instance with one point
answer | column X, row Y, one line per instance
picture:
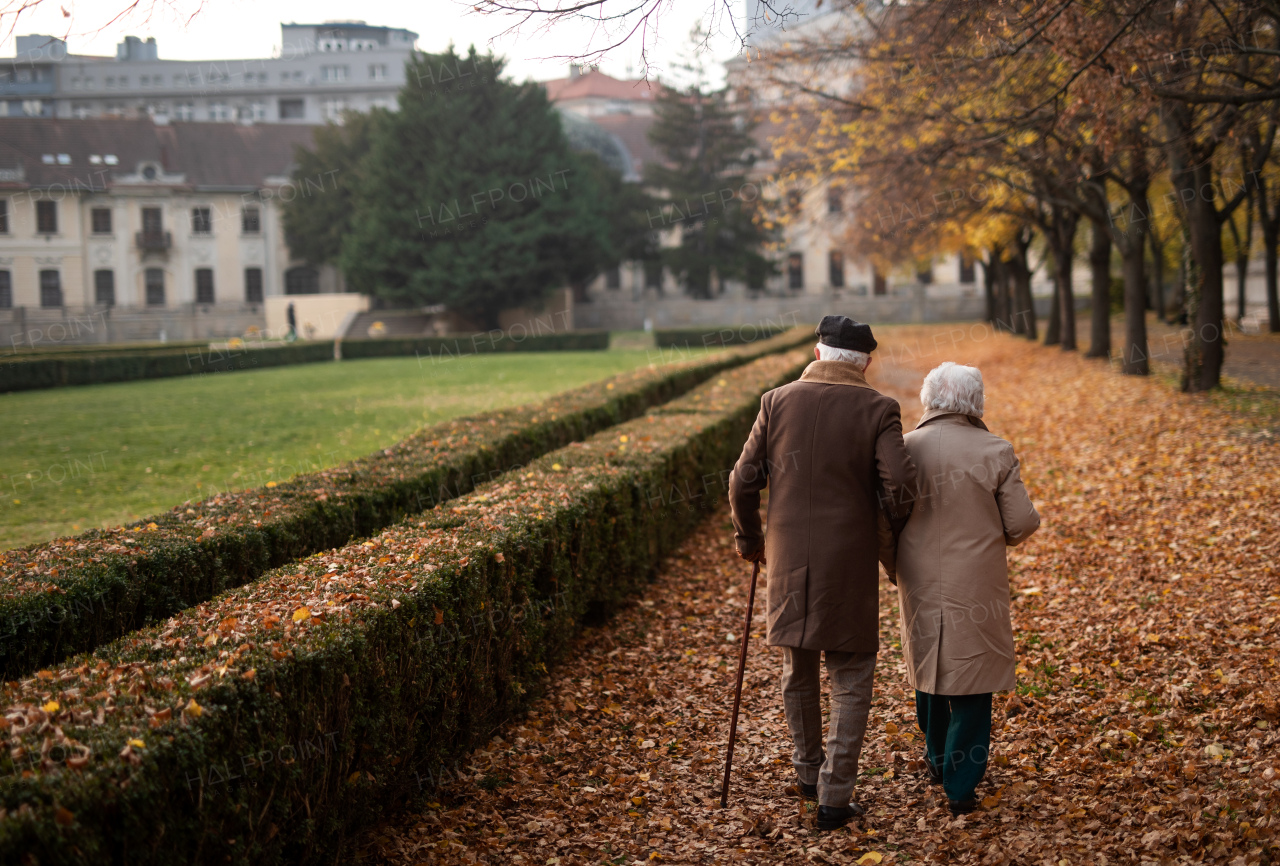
column 962, row 807
column 809, row 792
column 835, row 817
column 935, row 775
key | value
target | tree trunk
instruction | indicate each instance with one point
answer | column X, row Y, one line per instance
column 1133, row 253
column 1062, row 242
column 1206, row 247
column 1100, row 274
column 1157, row 281
column 1271, row 243
column 1135, row 360
column 1004, row 303
column 989, row 284
column 1053, row 329
column 1024, row 309
column 1191, row 169
column 1270, row 222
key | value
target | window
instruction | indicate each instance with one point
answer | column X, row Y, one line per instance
column 924, row 275
column 292, row 109
column 151, row 224
column 81, row 110
column 333, row 73
column 47, row 217
column 184, row 111
column 613, row 278
column 835, row 199
column 966, row 269
column 377, row 72
column 256, row 111
column 219, row 111
column 253, row 285
column 653, row 274
column 201, row 221
column 104, row 288
column 4, row 216
column 301, row 280
column 50, row 289
column 795, row 271
column 204, row 285
column 6, row 290
column 100, row 218
column 250, row 220
column 880, row 285
column 835, row 268
column 155, row 287
column 33, row 108
column 331, row 109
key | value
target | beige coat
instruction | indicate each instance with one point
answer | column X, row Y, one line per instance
column 829, row 447
column 953, row 581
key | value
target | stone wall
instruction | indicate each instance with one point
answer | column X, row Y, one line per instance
column 625, row 314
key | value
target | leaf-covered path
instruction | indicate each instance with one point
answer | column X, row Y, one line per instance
column 1143, row 730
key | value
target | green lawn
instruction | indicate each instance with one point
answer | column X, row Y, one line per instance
column 102, row 455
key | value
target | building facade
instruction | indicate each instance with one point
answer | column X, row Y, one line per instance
column 154, row 231
column 322, row 70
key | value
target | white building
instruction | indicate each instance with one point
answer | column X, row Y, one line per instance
column 322, row 70
column 161, row 231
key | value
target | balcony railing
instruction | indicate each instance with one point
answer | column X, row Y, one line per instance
column 154, row 240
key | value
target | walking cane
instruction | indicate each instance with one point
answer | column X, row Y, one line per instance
column 737, row 694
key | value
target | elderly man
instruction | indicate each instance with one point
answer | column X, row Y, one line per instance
column 830, row 449
column 953, row 584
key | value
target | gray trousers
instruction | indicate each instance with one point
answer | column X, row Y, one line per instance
column 852, row 675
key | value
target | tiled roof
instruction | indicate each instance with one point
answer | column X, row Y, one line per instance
column 26, row 141
column 597, row 85
column 232, row 154
column 209, row 155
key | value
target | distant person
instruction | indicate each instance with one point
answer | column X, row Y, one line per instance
column 292, row 318
column 953, row 581
column 829, row 447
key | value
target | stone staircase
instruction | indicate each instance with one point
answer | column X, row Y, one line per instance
column 391, row 323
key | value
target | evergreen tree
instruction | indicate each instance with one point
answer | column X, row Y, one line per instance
column 470, row 195
column 707, row 150
column 315, row 224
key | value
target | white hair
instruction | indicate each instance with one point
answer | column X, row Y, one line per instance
column 953, row 387
column 849, row 356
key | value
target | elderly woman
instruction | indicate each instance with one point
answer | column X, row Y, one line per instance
column 952, row 577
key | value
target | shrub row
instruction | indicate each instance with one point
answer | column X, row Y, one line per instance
column 711, row 337
column 31, row 372
column 74, row 594
column 271, row 723
column 448, row 348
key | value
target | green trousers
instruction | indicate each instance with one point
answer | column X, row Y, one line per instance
column 957, row 739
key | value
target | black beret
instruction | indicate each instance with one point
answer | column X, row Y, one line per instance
column 842, row 332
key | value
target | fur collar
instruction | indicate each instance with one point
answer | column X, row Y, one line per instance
column 950, row 417
column 834, row 373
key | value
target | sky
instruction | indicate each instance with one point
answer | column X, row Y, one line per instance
column 239, row 29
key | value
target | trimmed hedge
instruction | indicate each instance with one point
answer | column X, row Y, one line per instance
column 32, row 372
column 273, row 722
column 74, row 594
column 458, row 346
column 713, row 337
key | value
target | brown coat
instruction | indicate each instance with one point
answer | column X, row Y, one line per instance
column 953, row 583
column 830, row 449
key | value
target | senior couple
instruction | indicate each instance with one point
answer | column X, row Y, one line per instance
column 937, row 506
